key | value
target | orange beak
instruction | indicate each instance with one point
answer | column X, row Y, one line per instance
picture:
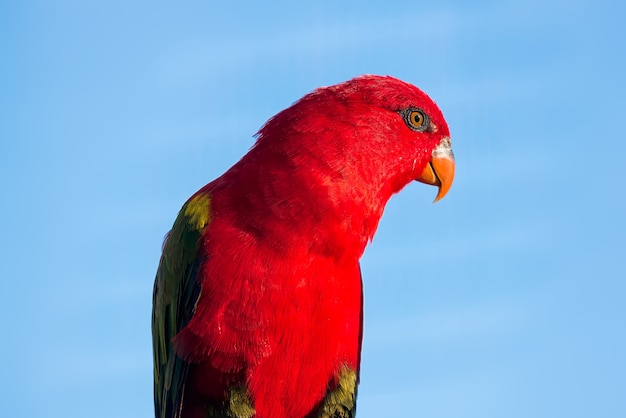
column 440, row 169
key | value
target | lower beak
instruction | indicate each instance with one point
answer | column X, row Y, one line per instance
column 440, row 169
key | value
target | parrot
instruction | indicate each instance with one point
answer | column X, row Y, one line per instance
column 258, row 297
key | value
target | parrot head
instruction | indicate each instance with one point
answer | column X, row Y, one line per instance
column 379, row 132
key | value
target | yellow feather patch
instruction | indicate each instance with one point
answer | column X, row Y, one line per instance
column 198, row 211
column 339, row 403
column 237, row 405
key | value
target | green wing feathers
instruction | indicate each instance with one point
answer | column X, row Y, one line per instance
column 340, row 402
column 176, row 291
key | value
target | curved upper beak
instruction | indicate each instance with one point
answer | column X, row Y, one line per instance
column 440, row 169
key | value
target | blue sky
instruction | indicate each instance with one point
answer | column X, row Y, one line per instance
column 505, row 299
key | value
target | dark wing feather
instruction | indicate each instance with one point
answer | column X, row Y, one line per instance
column 176, row 290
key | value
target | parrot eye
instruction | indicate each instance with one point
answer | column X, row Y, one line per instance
column 416, row 119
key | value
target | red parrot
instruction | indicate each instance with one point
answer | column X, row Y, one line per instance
column 257, row 305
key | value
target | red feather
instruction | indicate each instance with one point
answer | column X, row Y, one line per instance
column 280, row 303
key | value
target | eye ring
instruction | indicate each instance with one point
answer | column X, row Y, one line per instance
column 416, row 119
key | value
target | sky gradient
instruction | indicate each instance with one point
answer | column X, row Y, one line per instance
column 505, row 299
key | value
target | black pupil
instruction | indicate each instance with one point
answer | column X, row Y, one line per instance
column 417, row 118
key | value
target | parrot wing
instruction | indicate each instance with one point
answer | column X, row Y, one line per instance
column 176, row 291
